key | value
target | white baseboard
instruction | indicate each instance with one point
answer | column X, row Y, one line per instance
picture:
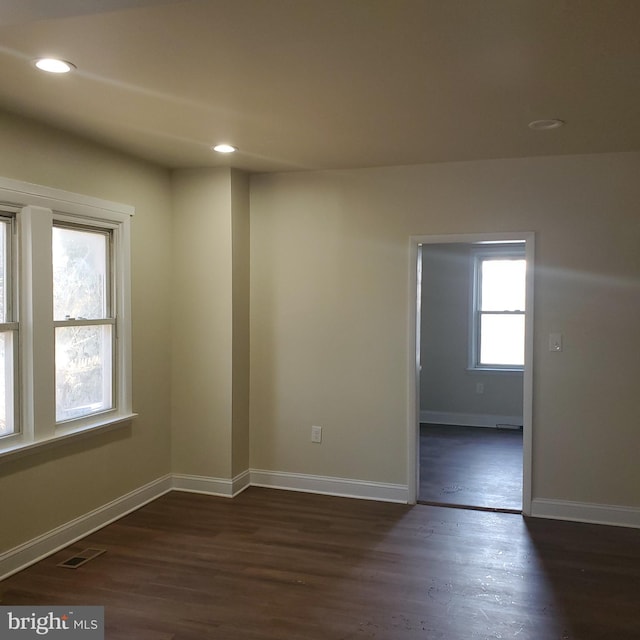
column 468, row 419
column 586, row 512
column 241, row 482
column 30, row 552
column 328, row 485
column 291, row 481
column 212, row 486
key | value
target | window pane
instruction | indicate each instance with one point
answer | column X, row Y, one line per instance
column 7, row 425
column 503, row 285
column 80, row 274
column 4, row 272
column 502, row 339
column 83, row 371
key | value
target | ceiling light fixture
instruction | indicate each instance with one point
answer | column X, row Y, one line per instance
column 224, row 148
column 54, row 65
column 545, row 125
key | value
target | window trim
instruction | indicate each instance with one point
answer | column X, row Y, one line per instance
column 36, row 208
column 515, row 250
column 11, row 324
column 111, row 311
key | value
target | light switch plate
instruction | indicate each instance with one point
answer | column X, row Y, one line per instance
column 555, row 342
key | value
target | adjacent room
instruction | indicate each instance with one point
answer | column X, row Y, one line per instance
column 254, row 302
column 472, row 357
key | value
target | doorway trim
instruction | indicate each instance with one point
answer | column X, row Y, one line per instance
column 413, row 372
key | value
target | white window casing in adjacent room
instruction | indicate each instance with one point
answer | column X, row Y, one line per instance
column 497, row 321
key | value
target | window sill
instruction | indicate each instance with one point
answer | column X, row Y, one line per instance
column 25, row 448
column 494, row 370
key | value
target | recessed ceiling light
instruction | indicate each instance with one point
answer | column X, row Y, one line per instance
column 224, row 148
column 53, row 65
column 545, row 125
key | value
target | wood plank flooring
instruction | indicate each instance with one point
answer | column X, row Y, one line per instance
column 279, row 565
column 471, row 466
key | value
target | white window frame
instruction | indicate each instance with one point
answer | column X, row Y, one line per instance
column 37, row 208
column 111, row 307
column 495, row 251
column 11, row 325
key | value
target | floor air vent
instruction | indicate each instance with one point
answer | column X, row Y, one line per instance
column 81, row 558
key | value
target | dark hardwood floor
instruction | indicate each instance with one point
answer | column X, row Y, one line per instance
column 471, row 466
column 278, row 565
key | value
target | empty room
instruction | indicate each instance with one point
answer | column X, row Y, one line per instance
column 228, row 362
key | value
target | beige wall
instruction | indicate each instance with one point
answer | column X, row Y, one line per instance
column 240, row 328
column 190, row 286
column 446, row 384
column 329, row 317
column 210, row 323
column 41, row 491
column 202, row 315
column 329, row 313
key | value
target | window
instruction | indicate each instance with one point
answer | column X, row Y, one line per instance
column 497, row 331
column 71, row 306
column 83, row 320
column 8, row 329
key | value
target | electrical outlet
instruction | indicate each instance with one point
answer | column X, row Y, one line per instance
column 316, row 434
column 479, row 387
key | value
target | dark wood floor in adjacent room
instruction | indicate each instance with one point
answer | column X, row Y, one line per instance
column 471, row 466
column 278, row 565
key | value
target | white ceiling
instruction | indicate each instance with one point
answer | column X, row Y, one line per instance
column 321, row 84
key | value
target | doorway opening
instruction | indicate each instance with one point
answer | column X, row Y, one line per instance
column 470, row 410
